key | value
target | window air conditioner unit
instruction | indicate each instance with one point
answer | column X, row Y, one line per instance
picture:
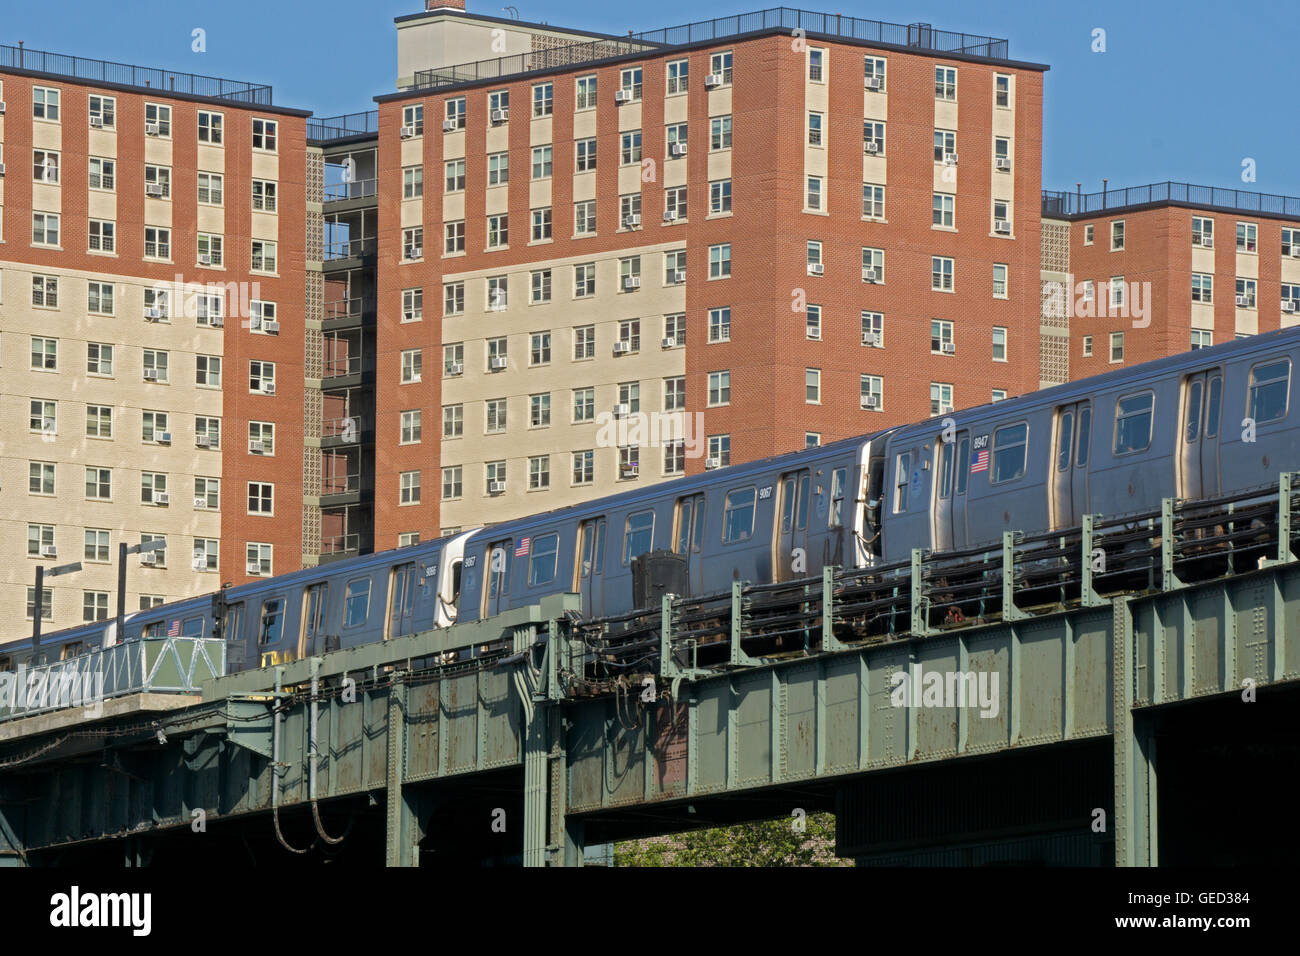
column 816, row 269
column 414, row 252
column 164, row 438
column 500, row 116
column 216, row 321
column 254, row 567
column 201, row 503
column 712, row 80
column 2, row 107
column 950, row 159
column 268, row 388
column 622, row 348
column 2, row 169
column 1295, row 250
column 205, row 260
column 670, row 215
column 872, row 83
column 1002, row 226
column 97, row 122
column 149, row 559
column 669, row 343
column 257, row 448
column 631, row 282
column 407, row 132
column 1207, row 242
column 632, row 221
column 49, row 551
column 1289, row 305
column 948, row 348
column 448, row 126
column 869, row 275
column 622, row 96
column 622, row 410
column 161, row 498
column 677, row 149
column 1242, row 301
column 497, row 362
column 679, row 276
column 496, row 487
column 455, row 368
column 205, row 441
column 152, row 129
column 151, row 375
column 153, row 189
column 711, row 463
column 1003, row 163
column 631, row 469
column 271, row 327
column 871, row 146
column 871, row 339
column 870, row 401
column 153, row 313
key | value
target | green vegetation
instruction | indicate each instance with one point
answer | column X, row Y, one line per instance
column 768, row 843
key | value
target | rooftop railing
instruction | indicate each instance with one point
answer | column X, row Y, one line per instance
column 124, row 74
column 921, row 36
column 326, row 128
column 1067, row 204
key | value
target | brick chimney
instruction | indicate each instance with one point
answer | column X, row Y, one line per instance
column 444, row 4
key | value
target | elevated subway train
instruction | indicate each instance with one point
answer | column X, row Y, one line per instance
column 1196, row 425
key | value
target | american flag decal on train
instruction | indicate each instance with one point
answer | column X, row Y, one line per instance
column 174, row 629
column 980, row 462
column 522, row 549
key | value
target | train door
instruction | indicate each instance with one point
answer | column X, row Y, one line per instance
column 1198, row 444
column 792, row 530
column 952, row 466
column 496, row 590
column 1070, row 464
column 401, row 600
column 591, row 566
column 314, row 602
column 239, row 646
column 689, row 542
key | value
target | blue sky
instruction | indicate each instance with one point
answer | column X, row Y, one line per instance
column 1185, row 90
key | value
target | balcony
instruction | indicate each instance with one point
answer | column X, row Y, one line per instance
column 348, row 430
column 348, row 250
column 339, row 546
column 341, row 192
column 341, row 489
column 350, row 313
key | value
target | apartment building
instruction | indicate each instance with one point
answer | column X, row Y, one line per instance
column 1160, row 269
column 801, row 228
column 152, row 253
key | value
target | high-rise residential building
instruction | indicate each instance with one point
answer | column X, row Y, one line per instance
column 1155, row 270
column 152, row 290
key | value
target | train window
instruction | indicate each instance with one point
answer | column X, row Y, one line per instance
column 6, row 664
column 963, row 464
column 232, row 628
column 1009, row 446
column 272, row 621
column 902, row 479
column 1193, row 423
column 154, row 629
column 70, row 650
column 356, row 602
column 639, row 534
column 1133, row 415
column 738, row 515
column 1085, row 435
column 1065, row 440
column 1212, row 406
column 839, row 477
column 801, row 517
column 192, row 628
column 1269, row 385
column 945, row 469
column 541, row 566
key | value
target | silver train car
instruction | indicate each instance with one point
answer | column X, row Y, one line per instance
column 1197, row 425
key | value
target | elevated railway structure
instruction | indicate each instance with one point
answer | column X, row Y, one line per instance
column 1073, row 697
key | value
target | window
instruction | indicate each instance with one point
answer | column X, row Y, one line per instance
column 543, row 99
column 873, row 265
column 738, row 515
column 813, row 195
column 629, row 272
column 584, row 467
column 720, row 324
column 942, row 214
column 999, row 280
column 1001, row 216
column 540, row 286
column 413, row 180
column 539, row 478
column 720, row 449
column 45, row 229
column 45, row 103
column 103, row 173
column 208, row 428
column 99, row 358
column 40, row 478
column 630, row 210
column 584, row 404
column 1202, row 287
column 102, row 236
column 1087, row 346
column 585, row 94
column 155, row 362
column 210, row 127
column 629, row 394
column 263, row 256
column 674, row 393
column 720, row 65
column 1001, row 90
column 498, row 231
column 541, row 563
column 1117, row 290
column 498, row 293
column 1133, row 417
column 873, row 201
column 454, row 237
column 675, row 267
column 675, row 457
column 264, row 134
column 99, row 484
column 585, row 153
column 209, row 249
column 208, row 489
column 496, row 416
column 1202, row 339
column 1203, row 232
column 630, row 83
column 452, row 482
column 584, row 280
column 44, row 416
column 412, row 365
column 99, row 421
column 453, row 358
column 719, row 388
column 453, row 421
column 678, row 75
column 157, row 119
column 1246, row 293
column 720, row 132
column 157, row 243
column 45, row 291
column 261, row 496
column 584, row 218
column 999, row 344
column 941, row 269
column 815, row 129
column 1290, row 297
column 811, row 439
column 873, row 137
column 261, row 438
column 539, row 352
column 1247, row 237
column 96, row 544
column 496, row 349
column 45, row 354
column 94, row 605
column 720, row 261
column 816, row 65
column 945, row 83
column 638, row 535
column 412, row 429
column 940, row 398
column 1088, row 231
column 675, row 328
column 1117, row 235
column 153, row 426
column 541, row 224
column 158, row 182
column 1117, row 346
column 719, row 197
column 871, row 391
column 873, row 70
column 941, row 342
column 873, row 329
column 493, row 472
column 584, row 342
column 1010, row 445
column 629, row 332
column 498, row 169
column 39, row 537
column 409, row 484
column 542, row 162
column 47, row 604
column 413, row 116
column 1269, row 391
column 153, row 488
column 539, row 410
column 499, row 102
column 813, row 322
column 812, row 386
column 260, row 376
column 205, row 554
column 258, row 560
column 207, row 370
column 945, row 146
column 631, row 148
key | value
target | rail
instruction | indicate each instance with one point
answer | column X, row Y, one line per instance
column 340, row 544
column 325, row 128
column 357, row 189
column 347, row 428
column 1067, row 204
column 351, row 248
column 340, row 484
column 348, row 308
column 339, row 367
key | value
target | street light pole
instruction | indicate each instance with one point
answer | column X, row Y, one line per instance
column 36, row 610
column 120, row 634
